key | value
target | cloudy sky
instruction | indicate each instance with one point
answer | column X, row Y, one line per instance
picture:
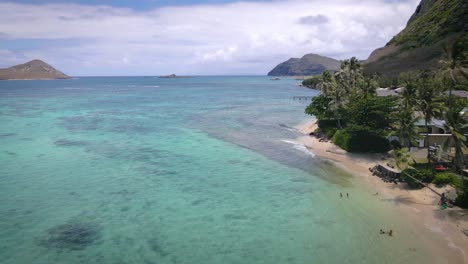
column 209, row 37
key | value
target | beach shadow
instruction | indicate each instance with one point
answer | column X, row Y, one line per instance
column 405, row 200
column 401, row 199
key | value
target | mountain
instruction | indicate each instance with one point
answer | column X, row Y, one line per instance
column 33, row 70
column 435, row 25
column 310, row 64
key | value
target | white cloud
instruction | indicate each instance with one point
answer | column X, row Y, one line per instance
column 236, row 38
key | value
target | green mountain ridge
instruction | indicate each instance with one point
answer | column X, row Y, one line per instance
column 435, row 25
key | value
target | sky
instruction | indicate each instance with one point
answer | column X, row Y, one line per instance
column 192, row 37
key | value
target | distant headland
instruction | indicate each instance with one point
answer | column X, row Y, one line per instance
column 32, row 70
column 310, row 64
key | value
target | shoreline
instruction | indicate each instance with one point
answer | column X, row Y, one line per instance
column 418, row 206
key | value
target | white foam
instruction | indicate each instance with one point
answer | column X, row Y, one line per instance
column 299, row 147
column 434, row 228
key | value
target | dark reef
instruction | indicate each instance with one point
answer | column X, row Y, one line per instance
column 71, row 236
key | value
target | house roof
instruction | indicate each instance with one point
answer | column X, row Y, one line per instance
column 434, row 122
column 389, row 92
column 459, row 93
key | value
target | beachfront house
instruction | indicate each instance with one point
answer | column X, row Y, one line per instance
column 459, row 93
column 434, row 134
column 389, row 91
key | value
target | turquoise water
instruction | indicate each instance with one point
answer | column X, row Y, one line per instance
column 191, row 170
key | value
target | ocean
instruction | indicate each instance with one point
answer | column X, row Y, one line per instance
column 184, row 170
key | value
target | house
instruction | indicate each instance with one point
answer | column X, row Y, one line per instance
column 389, row 91
column 464, row 113
column 459, row 93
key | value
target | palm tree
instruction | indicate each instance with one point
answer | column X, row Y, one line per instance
column 341, row 85
column 349, row 75
column 429, row 101
column 367, row 85
column 457, row 125
column 409, row 94
column 402, row 158
column 455, row 62
column 406, row 130
column 355, row 73
column 335, row 93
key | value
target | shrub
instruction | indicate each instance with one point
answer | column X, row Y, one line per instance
column 312, row 82
column 427, row 175
column 318, row 107
column 331, row 132
column 445, row 178
column 328, row 127
column 424, row 175
column 395, row 144
column 360, row 141
column 326, row 124
column 341, row 139
column 462, row 199
column 441, row 179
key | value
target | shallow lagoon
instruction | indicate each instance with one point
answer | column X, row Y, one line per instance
column 192, row 170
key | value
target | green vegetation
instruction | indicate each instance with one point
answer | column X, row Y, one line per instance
column 430, row 35
column 462, row 198
column 433, row 21
column 371, row 114
column 429, row 100
column 312, row 82
column 454, row 65
column 368, row 122
column 402, row 157
column 423, row 174
column 457, row 125
column 444, row 178
column 319, row 108
column 350, row 113
column 360, row 141
column 405, row 128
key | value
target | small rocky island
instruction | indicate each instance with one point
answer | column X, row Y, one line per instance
column 33, row 70
column 169, row 76
column 173, row 76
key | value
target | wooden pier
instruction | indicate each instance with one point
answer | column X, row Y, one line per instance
column 303, row 97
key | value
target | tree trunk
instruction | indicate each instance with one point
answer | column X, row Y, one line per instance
column 459, row 160
column 427, row 141
column 450, row 88
column 338, row 123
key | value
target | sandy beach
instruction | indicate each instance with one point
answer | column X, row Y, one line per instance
column 444, row 228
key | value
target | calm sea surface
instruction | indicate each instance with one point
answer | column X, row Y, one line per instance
column 190, row 170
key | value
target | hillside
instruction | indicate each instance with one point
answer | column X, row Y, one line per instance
column 33, row 70
column 310, row 64
column 434, row 26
